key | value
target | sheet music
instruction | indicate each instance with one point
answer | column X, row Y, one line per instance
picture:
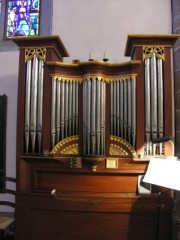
column 164, row 172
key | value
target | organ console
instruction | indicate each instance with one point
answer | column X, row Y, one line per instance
column 85, row 132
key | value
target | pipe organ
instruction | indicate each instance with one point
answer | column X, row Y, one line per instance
column 85, row 133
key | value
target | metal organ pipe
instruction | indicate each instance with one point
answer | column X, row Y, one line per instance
column 84, row 116
column 121, row 90
column 40, row 102
column 160, row 103
column 133, row 113
column 112, row 109
column 114, row 106
column 73, row 106
column 93, row 115
column 118, row 109
column 33, row 117
column 70, row 108
column 148, row 105
column 153, row 99
column 62, row 112
column 102, row 120
column 98, row 115
column 129, row 107
column 125, row 100
column 76, row 111
column 53, row 113
column 27, row 104
column 58, row 107
column 66, row 107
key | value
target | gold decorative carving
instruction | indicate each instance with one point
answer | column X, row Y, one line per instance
column 119, row 146
column 87, row 77
column 64, row 78
column 68, row 145
column 149, row 50
column 116, row 150
column 71, row 149
column 29, row 54
column 40, row 53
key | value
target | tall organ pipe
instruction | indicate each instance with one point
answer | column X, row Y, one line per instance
column 33, row 117
column 76, row 111
column 70, row 109
column 154, row 99
column 160, row 103
column 58, row 110
column 66, row 104
column 40, row 102
column 93, row 116
column 148, row 106
column 27, row 103
column 118, row 109
column 62, row 108
column 98, row 115
column 103, row 114
column 74, row 107
column 133, row 113
column 53, row 113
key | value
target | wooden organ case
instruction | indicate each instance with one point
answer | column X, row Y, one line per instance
column 84, row 135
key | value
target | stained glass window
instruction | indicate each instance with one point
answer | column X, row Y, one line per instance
column 22, row 18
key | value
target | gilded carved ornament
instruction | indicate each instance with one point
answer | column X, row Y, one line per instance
column 107, row 79
column 63, row 78
column 39, row 52
column 118, row 146
column 149, row 50
column 68, row 145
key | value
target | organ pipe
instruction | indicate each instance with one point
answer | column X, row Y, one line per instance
column 33, row 117
column 58, row 109
column 27, row 103
column 53, row 113
column 40, row 102
column 148, row 105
